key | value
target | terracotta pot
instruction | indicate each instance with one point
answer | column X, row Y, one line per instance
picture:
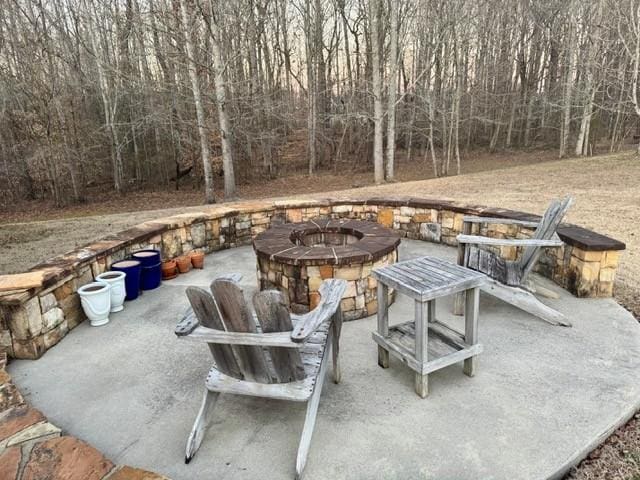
column 169, row 269
column 184, row 264
column 197, row 259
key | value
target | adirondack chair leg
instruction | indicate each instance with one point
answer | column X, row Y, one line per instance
column 200, row 425
column 310, row 418
column 459, row 298
column 336, row 327
column 540, row 290
column 528, row 302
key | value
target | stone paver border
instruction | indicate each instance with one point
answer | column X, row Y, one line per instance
column 33, row 448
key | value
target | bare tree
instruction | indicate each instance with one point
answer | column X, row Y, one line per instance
column 118, row 95
column 391, row 102
column 221, row 100
column 571, row 54
column 378, row 158
column 197, row 99
column 628, row 23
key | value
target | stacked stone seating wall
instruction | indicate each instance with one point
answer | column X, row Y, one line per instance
column 33, row 321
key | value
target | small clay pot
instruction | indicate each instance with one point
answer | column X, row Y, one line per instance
column 184, row 264
column 169, row 269
column 197, row 259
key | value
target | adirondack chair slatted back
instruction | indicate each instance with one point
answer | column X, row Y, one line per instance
column 273, row 315
column 237, row 318
column 545, row 231
column 288, row 354
column 205, row 309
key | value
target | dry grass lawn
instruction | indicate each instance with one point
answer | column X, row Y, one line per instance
column 606, row 189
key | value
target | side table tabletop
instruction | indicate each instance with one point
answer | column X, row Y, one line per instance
column 424, row 343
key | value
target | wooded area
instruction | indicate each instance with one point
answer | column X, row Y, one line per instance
column 126, row 94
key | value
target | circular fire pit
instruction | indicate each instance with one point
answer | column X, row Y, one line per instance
column 296, row 257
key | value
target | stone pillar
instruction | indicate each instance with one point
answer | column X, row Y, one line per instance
column 592, row 273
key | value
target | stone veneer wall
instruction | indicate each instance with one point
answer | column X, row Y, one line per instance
column 32, row 321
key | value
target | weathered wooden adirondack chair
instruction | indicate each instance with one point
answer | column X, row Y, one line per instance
column 281, row 355
column 510, row 279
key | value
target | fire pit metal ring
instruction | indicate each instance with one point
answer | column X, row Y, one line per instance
column 296, row 257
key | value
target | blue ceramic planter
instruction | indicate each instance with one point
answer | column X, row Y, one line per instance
column 151, row 277
column 133, row 269
column 147, row 258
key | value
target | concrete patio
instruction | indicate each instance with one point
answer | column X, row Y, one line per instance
column 542, row 398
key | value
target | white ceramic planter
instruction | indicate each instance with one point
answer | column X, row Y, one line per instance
column 118, row 291
column 96, row 302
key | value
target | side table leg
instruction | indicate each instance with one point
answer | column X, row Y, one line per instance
column 422, row 385
column 471, row 309
column 421, row 315
column 458, row 303
column 383, row 322
column 383, row 357
column 432, row 310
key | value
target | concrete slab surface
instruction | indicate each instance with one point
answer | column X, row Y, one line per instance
column 542, row 398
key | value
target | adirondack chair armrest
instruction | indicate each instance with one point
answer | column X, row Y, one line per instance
column 331, row 292
column 499, row 221
column 187, row 324
column 212, row 335
column 509, row 242
column 234, row 277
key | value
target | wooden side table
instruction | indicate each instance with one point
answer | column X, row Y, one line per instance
column 424, row 343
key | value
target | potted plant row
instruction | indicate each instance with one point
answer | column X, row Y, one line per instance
column 182, row 264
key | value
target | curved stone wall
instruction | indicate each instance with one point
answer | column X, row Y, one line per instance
column 35, row 319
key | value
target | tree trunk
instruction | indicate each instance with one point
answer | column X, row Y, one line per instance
column 221, row 99
column 568, row 92
column 312, row 86
column 391, row 105
column 197, row 98
column 374, row 18
column 109, row 109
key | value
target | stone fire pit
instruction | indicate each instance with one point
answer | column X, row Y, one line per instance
column 296, row 257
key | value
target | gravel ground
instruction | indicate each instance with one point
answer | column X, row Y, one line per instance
column 607, row 193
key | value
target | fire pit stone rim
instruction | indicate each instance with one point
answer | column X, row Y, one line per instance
column 278, row 243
